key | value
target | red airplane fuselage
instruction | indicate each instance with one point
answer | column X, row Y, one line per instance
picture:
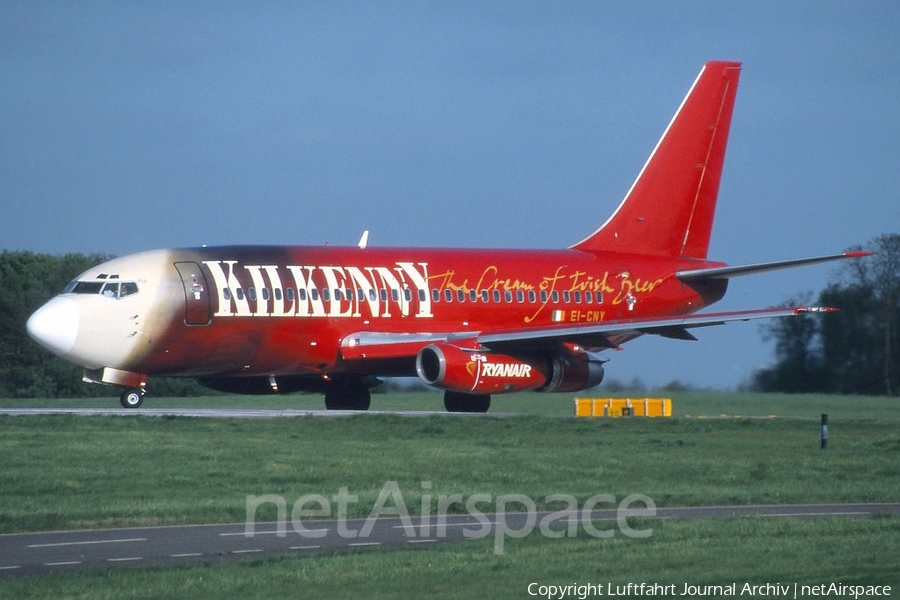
column 264, row 319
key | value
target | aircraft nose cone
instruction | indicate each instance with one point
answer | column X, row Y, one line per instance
column 55, row 325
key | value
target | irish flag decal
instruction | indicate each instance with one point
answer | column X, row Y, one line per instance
column 556, row 316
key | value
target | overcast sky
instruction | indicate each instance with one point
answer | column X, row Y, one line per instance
column 131, row 126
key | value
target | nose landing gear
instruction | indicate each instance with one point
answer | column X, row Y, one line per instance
column 132, row 398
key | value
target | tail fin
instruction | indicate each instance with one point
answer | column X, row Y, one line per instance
column 670, row 207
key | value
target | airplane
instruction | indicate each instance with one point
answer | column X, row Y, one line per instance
column 470, row 322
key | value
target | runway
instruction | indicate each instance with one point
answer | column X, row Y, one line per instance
column 226, row 413
column 68, row 551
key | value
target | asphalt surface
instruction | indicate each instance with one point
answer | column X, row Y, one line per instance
column 237, row 413
column 67, row 551
column 222, row 413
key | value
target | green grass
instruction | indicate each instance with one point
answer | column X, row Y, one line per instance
column 70, row 471
column 707, row 403
column 707, row 552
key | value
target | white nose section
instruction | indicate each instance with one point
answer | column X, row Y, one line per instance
column 55, row 325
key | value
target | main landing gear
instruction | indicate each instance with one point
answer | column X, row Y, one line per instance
column 132, row 398
column 347, row 394
column 467, row 403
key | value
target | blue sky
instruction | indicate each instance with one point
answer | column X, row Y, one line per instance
column 130, row 126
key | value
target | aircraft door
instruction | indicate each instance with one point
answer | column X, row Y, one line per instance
column 196, row 293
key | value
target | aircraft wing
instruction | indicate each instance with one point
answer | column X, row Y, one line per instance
column 593, row 337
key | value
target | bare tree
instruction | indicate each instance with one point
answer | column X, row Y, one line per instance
column 880, row 274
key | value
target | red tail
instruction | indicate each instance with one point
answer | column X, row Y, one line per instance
column 670, row 207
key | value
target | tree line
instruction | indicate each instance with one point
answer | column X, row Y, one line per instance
column 856, row 350
column 853, row 351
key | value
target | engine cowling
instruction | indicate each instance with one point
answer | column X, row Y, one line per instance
column 574, row 372
column 453, row 368
column 471, row 371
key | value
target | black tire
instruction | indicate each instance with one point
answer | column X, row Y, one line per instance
column 466, row 403
column 132, row 398
column 347, row 395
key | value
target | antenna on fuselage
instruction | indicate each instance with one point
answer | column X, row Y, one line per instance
column 364, row 240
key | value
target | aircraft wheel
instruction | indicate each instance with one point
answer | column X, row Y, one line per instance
column 132, row 398
column 347, row 395
column 466, row 403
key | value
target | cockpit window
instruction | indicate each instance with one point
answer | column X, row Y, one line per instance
column 87, row 287
column 107, row 289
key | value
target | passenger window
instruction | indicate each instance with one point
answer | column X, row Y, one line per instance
column 508, row 295
column 496, row 295
column 460, row 295
column 588, row 298
column 520, row 296
column 578, row 297
column 554, row 296
column 473, row 295
column 566, row 297
column 407, row 294
column 531, row 296
column 422, row 296
column 265, row 294
column 448, row 295
column 484, row 295
column 435, row 296
column 544, row 296
column 251, row 293
column 290, row 294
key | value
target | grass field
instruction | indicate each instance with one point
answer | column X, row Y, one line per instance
column 745, row 550
column 74, row 471
column 707, row 403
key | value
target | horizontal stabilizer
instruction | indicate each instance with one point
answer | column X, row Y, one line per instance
column 729, row 272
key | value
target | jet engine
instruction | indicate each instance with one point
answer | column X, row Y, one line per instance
column 572, row 372
column 474, row 371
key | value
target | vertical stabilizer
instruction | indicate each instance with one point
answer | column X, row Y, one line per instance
column 670, row 207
